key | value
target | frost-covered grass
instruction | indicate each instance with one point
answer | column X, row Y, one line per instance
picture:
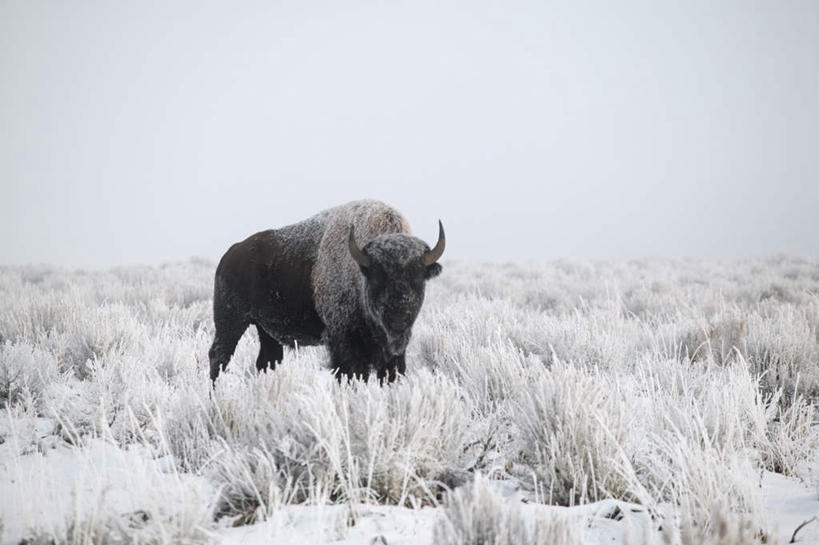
column 672, row 384
column 476, row 513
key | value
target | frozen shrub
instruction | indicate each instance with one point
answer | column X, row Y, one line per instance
column 29, row 315
column 706, row 420
column 476, row 514
column 727, row 529
column 94, row 333
column 706, row 402
column 405, row 436
column 385, row 443
column 573, row 424
column 251, row 486
column 719, row 341
column 791, row 437
column 692, row 474
column 349, row 442
column 246, row 410
column 783, row 348
column 489, row 374
column 188, row 429
column 25, row 372
column 779, row 293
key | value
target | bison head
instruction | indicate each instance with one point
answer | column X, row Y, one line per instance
column 395, row 268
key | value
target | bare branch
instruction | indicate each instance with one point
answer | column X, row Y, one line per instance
column 793, row 537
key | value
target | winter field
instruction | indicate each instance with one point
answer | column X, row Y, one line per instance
column 634, row 402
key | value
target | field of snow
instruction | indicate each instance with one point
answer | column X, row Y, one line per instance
column 634, row 402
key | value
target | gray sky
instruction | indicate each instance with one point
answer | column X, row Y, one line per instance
column 140, row 132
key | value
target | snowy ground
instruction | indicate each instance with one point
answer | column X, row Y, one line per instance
column 564, row 403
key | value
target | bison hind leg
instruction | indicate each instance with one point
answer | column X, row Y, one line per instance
column 271, row 351
column 224, row 344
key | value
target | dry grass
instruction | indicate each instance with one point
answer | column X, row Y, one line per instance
column 648, row 381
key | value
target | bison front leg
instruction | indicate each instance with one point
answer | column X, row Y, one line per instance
column 393, row 368
column 349, row 358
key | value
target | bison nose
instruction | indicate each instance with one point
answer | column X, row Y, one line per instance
column 399, row 323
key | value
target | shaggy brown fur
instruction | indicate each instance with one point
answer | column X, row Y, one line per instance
column 299, row 284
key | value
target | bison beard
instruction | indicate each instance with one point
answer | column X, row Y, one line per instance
column 311, row 283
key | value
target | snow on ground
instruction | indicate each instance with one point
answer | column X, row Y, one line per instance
column 57, row 477
column 570, row 400
column 789, row 503
column 328, row 524
column 45, row 489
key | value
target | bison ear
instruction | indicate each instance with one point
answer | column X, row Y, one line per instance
column 431, row 271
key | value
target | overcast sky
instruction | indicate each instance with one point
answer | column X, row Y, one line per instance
column 143, row 132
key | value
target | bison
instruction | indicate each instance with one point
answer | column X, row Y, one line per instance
column 311, row 283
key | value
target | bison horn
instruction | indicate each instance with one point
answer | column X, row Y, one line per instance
column 360, row 257
column 434, row 254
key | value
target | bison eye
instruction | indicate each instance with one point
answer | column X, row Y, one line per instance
column 432, row 271
column 375, row 275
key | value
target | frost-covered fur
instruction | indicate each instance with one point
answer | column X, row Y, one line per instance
column 300, row 285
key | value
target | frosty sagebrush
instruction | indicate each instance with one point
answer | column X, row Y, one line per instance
column 478, row 513
column 499, row 354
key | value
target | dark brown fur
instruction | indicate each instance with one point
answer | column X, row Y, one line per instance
column 299, row 284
